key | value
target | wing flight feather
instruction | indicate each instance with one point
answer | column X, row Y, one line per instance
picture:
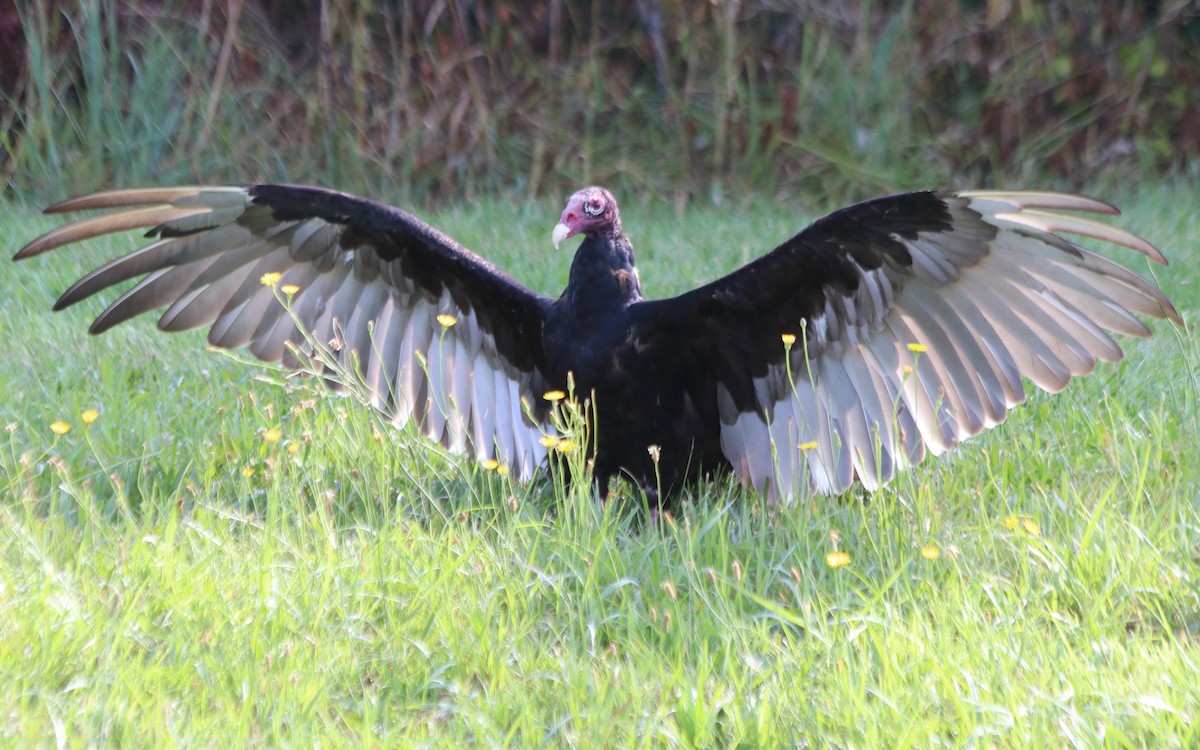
column 362, row 279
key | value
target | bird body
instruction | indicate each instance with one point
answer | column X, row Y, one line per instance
column 590, row 346
column 886, row 330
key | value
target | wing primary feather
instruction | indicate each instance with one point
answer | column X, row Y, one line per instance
column 440, row 366
column 957, row 384
column 166, row 252
column 1004, row 388
column 459, row 433
column 413, row 373
column 922, row 388
column 780, row 426
column 733, row 445
column 1041, row 199
column 1051, row 222
column 380, row 358
column 1042, row 315
column 980, row 371
column 506, row 424
column 844, row 404
column 882, row 356
column 310, row 304
column 522, row 458
column 1034, row 358
column 758, row 450
column 150, row 293
column 130, row 197
column 235, row 324
column 815, row 435
column 874, row 457
column 278, row 326
column 363, row 337
column 95, row 226
column 483, row 408
column 290, row 329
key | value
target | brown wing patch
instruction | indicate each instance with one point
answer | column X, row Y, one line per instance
column 627, row 280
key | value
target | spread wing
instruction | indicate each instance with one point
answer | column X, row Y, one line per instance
column 901, row 326
column 439, row 335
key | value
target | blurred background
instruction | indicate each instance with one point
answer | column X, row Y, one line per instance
column 435, row 102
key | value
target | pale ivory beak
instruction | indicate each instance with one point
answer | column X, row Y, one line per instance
column 561, row 232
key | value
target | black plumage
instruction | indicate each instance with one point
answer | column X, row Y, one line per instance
column 891, row 328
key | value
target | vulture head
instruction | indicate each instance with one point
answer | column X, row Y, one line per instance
column 591, row 212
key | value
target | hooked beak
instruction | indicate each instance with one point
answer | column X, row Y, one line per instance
column 561, row 232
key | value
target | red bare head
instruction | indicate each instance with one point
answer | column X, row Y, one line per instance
column 591, row 212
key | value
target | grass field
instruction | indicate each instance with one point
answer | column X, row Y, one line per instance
column 221, row 561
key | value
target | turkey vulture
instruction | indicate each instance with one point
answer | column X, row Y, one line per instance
column 894, row 327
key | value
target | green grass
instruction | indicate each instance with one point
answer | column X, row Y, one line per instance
column 168, row 577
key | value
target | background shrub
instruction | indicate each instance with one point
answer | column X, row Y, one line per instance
column 443, row 100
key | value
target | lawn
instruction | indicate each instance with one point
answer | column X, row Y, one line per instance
column 227, row 557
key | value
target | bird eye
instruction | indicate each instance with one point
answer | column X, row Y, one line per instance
column 594, row 206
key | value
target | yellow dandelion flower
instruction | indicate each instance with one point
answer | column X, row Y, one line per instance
column 446, row 320
column 1026, row 523
column 272, row 435
column 837, row 558
column 489, row 464
column 908, row 369
column 270, row 279
column 60, row 428
column 788, row 339
column 555, row 395
column 565, row 446
column 917, row 348
column 293, row 448
column 807, row 446
column 930, row 552
column 502, row 470
column 247, row 471
column 89, row 416
column 289, row 289
column 548, row 441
